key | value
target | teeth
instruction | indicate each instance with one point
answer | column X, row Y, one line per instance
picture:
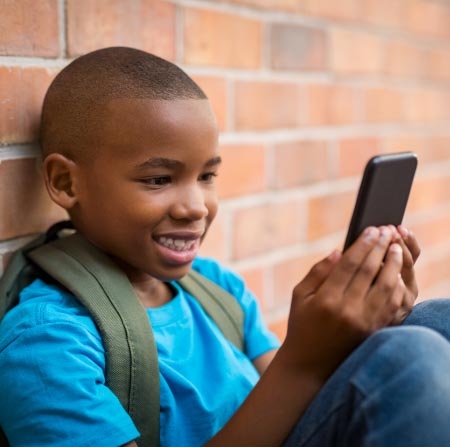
column 176, row 244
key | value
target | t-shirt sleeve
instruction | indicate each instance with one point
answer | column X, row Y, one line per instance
column 258, row 338
column 52, row 387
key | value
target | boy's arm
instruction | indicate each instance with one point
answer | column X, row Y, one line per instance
column 262, row 362
column 271, row 410
column 340, row 302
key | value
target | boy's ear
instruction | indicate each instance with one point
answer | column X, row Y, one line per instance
column 60, row 179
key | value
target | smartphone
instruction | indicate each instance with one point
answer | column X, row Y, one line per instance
column 383, row 193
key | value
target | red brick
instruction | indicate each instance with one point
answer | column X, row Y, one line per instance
column 279, row 328
column 437, row 64
column 148, row 25
column 384, row 105
column 354, row 153
column 268, row 105
column 267, row 227
column 243, row 170
column 386, row 144
column 431, row 271
column 427, row 105
column 355, row 52
column 436, row 148
column 404, row 60
column 21, row 94
column 288, row 273
column 254, row 281
column 385, row 13
column 295, row 47
column 427, row 148
column 432, row 232
column 329, row 214
column 332, row 104
column 428, row 192
column 29, row 28
column 216, row 90
column 428, row 18
column 397, row 143
column 221, row 39
column 300, row 163
column 24, row 204
column 344, row 9
column 278, row 5
column 214, row 245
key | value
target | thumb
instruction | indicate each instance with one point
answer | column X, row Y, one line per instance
column 316, row 276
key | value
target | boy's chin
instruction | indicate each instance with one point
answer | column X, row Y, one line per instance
column 175, row 274
column 164, row 273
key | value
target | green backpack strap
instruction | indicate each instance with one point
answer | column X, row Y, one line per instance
column 220, row 305
column 132, row 370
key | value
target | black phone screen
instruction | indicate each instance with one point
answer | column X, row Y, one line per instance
column 383, row 193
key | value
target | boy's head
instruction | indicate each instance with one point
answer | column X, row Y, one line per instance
column 74, row 104
column 130, row 151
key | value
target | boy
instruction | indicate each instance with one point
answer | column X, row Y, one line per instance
column 130, row 151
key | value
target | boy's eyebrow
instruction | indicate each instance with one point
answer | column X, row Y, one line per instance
column 213, row 162
column 161, row 162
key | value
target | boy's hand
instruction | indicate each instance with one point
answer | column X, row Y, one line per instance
column 342, row 300
column 411, row 252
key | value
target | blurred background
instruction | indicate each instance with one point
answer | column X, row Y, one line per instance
column 305, row 91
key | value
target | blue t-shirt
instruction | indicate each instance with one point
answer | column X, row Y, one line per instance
column 52, row 369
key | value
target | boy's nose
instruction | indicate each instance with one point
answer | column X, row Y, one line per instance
column 191, row 205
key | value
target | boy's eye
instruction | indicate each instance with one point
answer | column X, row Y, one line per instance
column 208, row 177
column 156, row 181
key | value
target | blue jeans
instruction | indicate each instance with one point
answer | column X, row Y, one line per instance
column 392, row 391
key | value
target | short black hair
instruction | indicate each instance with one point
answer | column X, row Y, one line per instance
column 73, row 103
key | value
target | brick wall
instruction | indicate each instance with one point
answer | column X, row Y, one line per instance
column 304, row 91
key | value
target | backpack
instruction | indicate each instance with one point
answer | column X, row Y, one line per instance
column 132, row 371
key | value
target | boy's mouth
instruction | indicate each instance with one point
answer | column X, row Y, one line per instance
column 176, row 244
column 178, row 249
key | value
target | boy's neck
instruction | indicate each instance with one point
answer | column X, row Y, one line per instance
column 153, row 293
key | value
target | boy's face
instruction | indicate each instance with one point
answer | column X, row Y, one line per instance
column 148, row 196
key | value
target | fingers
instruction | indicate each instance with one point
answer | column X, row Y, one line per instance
column 351, row 261
column 316, row 276
column 406, row 306
column 370, row 267
column 411, row 252
column 388, row 290
column 411, row 242
column 401, row 301
column 408, row 262
column 389, row 275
